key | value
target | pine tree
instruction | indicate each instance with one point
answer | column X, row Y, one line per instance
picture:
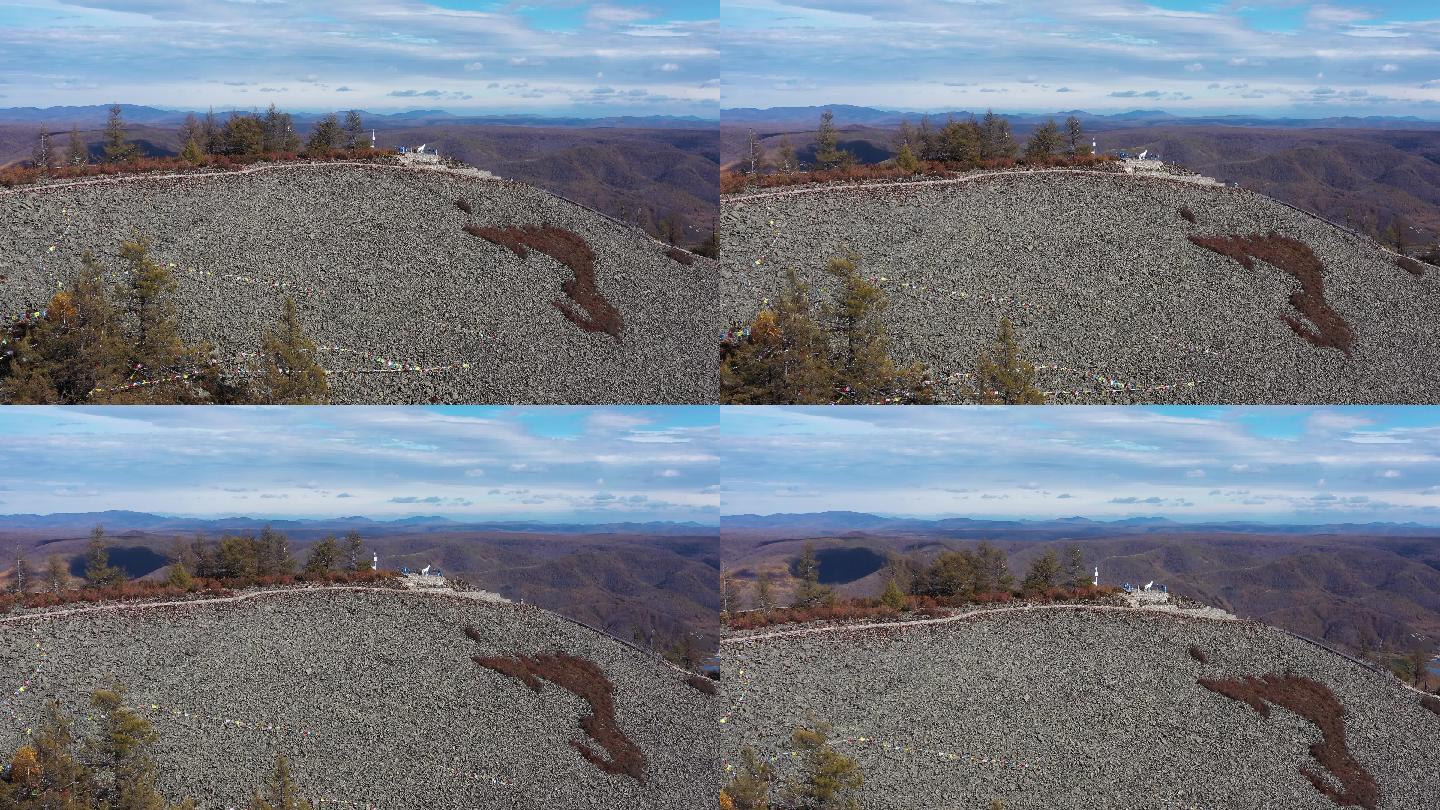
column 77, row 152
column 117, row 148
column 1043, row 574
column 324, row 555
column 44, row 157
column 828, row 780
column 1075, row 135
column 325, row 137
column 281, row 792
column 354, row 129
column 98, row 571
column 827, row 143
column 749, row 788
column 291, row 375
column 64, row 782
column 1044, row 140
column 1002, row 378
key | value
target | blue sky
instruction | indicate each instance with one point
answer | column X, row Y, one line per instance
column 1275, row 464
column 538, row 56
column 1185, row 56
column 551, row 464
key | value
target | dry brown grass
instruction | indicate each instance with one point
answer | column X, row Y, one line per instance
column 1315, row 702
column 1431, row 702
column 464, row 205
column 1326, row 328
column 136, row 590
column 1187, row 215
column 1199, row 654
column 591, row 311
column 847, row 610
column 588, row 682
column 1410, row 266
column 17, row 175
column 735, row 182
column 680, row 256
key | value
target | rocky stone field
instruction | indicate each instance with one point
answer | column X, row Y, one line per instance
column 374, row 698
column 386, row 280
column 1072, row 708
column 1107, row 293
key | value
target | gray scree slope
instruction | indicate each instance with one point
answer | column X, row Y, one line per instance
column 378, row 699
column 1099, row 278
column 377, row 262
column 1082, row 709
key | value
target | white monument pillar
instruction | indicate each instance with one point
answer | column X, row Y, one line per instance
column 1096, row 580
column 375, row 562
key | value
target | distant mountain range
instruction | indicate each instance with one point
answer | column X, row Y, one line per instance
column 870, row 116
column 121, row 520
column 862, row 521
column 96, row 114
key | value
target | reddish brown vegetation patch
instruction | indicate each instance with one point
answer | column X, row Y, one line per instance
column 1315, row 702
column 680, row 256
column 702, row 684
column 595, row 314
column 587, row 681
column 17, row 175
column 1410, row 266
column 1431, row 702
column 1199, row 654
column 735, row 182
column 1326, row 327
column 1187, row 215
column 464, row 205
column 872, row 610
column 144, row 589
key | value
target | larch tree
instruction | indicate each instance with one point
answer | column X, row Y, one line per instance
column 827, row 779
column 354, row 129
column 749, row 788
column 1043, row 575
column 77, row 151
column 754, row 154
column 354, row 557
column 99, row 573
column 996, row 140
column 1075, row 136
column 57, row 574
column 281, row 792
column 1043, row 143
column 785, row 159
column 324, row 556
column 1002, row 377
column 291, row 373
column 44, row 156
column 118, row 149
column 326, row 137
column 827, row 143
